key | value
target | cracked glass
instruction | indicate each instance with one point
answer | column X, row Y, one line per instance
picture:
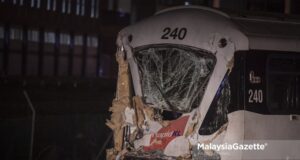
column 174, row 77
column 216, row 115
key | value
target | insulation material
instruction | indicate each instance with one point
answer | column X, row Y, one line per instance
column 116, row 123
column 129, row 116
column 139, row 107
column 149, row 112
column 174, row 78
column 191, row 129
column 110, row 154
column 230, row 64
column 165, row 123
column 193, row 124
column 121, row 101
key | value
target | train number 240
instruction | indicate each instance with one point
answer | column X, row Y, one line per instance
column 255, row 96
column 176, row 33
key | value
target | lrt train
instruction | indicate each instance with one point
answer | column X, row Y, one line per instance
column 219, row 86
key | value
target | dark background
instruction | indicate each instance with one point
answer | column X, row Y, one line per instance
column 57, row 56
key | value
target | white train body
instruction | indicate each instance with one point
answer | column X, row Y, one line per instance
column 243, row 72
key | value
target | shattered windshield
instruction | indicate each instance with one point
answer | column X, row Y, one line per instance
column 174, row 77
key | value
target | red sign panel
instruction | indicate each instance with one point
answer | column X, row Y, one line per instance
column 165, row 135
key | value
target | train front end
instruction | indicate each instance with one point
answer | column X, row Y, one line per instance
column 172, row 68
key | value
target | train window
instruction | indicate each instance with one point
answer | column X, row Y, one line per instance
column 216, row 115
column 283, row 84
column 174, row 77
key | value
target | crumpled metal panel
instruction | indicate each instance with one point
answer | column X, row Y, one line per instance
column 174, row 77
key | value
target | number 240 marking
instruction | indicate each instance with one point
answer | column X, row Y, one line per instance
column 255, row 96
column 177, row 33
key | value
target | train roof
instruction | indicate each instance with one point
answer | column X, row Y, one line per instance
column 263, row 32
column 255, row 25
column 268, row 28
column 269, row 34
column 260, row 33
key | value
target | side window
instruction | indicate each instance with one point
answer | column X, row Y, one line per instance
column 216, row 116
column 283, row 72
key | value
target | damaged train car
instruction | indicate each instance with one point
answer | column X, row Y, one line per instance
column 194, row 75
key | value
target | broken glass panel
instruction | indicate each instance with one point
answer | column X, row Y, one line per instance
column 216, row 116
column 174, row 77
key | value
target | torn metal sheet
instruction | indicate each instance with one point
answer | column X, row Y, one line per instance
column 174, row 78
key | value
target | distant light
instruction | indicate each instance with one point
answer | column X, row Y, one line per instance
column 186, row 3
